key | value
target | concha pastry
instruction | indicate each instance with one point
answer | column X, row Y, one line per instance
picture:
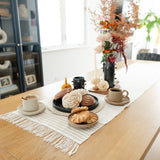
column 81, row 91
column 80, row 117
column 92, row 118
column 103, row 85
column 62, row 93
column 79, row 109
column 87, row 100
column 71, row 100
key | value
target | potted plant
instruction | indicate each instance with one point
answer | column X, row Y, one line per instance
column 150, row 22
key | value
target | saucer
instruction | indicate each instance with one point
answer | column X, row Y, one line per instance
column 124, row 101
column 42, row 107
column 82, row 125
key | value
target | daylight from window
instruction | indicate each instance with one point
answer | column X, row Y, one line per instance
column 62, row 23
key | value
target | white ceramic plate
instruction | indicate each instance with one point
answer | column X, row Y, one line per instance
column 41, row 109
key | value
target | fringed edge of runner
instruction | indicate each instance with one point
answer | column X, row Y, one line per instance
column 50, row 136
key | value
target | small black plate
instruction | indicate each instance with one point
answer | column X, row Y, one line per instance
column 57, row 104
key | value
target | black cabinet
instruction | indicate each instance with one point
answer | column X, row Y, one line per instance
column 20, row 49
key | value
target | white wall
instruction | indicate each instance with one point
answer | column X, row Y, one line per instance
column 71, row 62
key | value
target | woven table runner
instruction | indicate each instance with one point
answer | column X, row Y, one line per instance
column 55, row 130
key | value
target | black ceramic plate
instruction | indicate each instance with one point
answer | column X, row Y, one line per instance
column 57, row 104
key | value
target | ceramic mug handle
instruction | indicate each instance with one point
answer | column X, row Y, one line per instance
column 125, row 91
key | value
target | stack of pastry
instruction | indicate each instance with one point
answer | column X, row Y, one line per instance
column 82, row 115
column 74, row 98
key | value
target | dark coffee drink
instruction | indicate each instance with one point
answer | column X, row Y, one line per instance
column 115, row 90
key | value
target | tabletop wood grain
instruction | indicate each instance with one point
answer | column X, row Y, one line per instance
column 128, row 136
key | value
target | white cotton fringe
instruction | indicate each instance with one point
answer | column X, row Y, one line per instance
column 61, row 142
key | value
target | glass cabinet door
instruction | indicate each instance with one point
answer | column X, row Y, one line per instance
column 28, row 20
column 9, row 74
column 6, row 26
column 32, row 66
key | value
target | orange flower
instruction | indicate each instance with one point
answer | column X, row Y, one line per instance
column 107, row 21
column 107, row 51
column 102, row 23
column 105, row 27
column 114, row 25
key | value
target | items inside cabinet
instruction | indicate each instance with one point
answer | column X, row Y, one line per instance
column 6, row 26
column 31, row 62
column 28, row 20
column 9, row 79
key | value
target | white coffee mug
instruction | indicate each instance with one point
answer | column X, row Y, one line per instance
column 30, row 103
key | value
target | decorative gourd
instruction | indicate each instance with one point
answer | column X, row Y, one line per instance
column 66, row 85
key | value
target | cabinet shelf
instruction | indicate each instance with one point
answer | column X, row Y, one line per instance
column 25, row 19
column 6, row 18
column 30, row 43
column 8, row 45
column 9, row 89
column 8, row 56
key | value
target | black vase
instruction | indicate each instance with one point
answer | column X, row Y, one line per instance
column 109, row 73
column 79, row 82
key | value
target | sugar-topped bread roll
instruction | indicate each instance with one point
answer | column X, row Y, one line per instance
column 87, row 100
column 71, row 100
column 62, row 93
column 81, row 91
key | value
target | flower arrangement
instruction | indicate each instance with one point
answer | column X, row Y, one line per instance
column 114, row 29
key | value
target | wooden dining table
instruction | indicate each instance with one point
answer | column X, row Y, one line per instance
column 132, row 135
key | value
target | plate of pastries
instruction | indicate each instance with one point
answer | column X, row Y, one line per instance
column 80, row 117
column 67, row 99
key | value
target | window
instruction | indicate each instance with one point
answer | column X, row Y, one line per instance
column 62, row 23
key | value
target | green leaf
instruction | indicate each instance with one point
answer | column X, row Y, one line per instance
column 150, row 25
column 148, row 38
column 107, row 45
column 104, row 57
column 155, row 18
column 158, row 21
column 148, row 15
